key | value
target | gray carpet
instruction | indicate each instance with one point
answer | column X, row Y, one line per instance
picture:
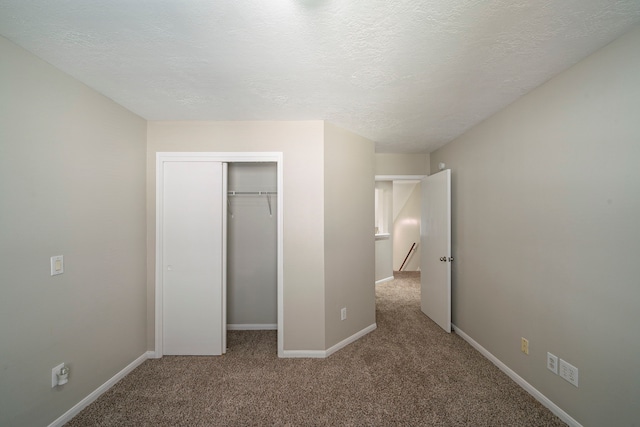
column 407, row 372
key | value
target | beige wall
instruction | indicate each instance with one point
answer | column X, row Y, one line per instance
column 546, row 235
column 302, row 145
column 384, row 259
column 402, row 164
column 348, row 231
column 72, row 184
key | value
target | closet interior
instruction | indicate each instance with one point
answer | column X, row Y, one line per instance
column 252, row 246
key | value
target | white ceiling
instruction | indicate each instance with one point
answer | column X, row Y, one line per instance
column 410, row 75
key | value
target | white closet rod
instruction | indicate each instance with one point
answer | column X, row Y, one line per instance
column 258, row 193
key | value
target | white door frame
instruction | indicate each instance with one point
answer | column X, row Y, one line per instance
column 161, row 158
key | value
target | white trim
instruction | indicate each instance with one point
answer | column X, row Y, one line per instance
column 225, row 200
column 252, row 326
column 387, row 279
column 313, row 354
column 280, row 249
column 345, row 342
column 276, row 157
column 399, row 177
column 75, row 410
column 519, row 380
column 152, row 355
column 326, row 353
column 159, row 260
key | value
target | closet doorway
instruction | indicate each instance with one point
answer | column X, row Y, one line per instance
column 251, row 246
column 219, row 250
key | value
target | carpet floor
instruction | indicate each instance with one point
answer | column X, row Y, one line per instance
column 408, row 372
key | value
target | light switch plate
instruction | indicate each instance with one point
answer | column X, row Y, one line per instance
column 57, row 265
column 569, row 372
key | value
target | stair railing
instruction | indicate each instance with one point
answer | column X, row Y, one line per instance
column 407, row 257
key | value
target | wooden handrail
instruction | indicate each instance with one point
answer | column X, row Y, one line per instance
column 407, row 257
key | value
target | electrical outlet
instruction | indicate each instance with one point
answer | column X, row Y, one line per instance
column 343, row 313
column 552, row 363
column 569, row 372
column 524, row 345
column 54, row 374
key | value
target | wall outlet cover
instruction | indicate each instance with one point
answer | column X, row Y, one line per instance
column 552, row 363
column 54, row 375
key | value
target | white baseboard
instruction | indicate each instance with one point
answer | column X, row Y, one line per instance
column 152, row 355
column 252, row 327
column 345, row 342
column 309, row 354
column 326, row 353
column 519, row 380
column 75, row 410
column 388, row 279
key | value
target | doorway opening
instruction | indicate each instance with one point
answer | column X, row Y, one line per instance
column 398, row 221
column 406, row 225
column 435, row 243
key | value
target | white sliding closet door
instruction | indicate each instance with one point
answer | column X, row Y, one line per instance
column 193, row 257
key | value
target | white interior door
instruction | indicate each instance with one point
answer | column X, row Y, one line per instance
column 435, row 240
column 193, row 301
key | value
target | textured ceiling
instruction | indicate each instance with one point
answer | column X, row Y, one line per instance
column 409, row 74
